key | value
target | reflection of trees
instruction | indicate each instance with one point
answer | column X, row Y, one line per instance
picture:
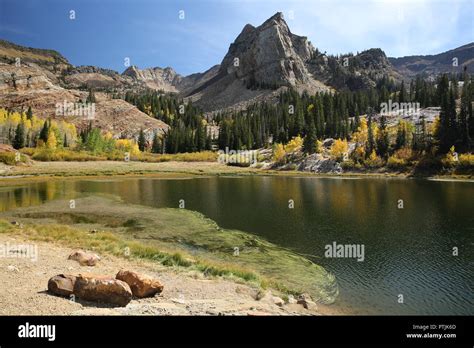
column 35, row 193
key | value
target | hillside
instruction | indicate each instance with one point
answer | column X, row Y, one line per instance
column 432, row 65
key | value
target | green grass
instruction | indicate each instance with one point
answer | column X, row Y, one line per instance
column 176, row 238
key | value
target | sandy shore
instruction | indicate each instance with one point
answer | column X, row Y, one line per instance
column 24, row 284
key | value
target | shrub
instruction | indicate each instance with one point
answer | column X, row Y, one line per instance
column 9, row 158
column 374, row 161
column 396, row 163
column 294, row 144
column 404, row 153
column 466, row 161
column 204, row 156
column 278, row 153
column 64, row 155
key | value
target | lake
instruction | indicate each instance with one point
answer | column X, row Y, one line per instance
column 408, row 228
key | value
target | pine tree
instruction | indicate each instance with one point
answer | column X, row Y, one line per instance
column 370, row 137
column 141, row 141
column 444, row 131
column 19, row 140
column 44, row 132
column 29, row 113
column 156, row 146
column 383, row 142
column 402, row 135
column 402, row 95
column 464, row 115
column 201, row 136
column 310, row 144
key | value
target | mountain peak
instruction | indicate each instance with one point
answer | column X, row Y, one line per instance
column 268, row 55
column 276, row 20
column 277, row 17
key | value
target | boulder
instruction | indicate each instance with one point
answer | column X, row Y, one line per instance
column 62, row 284
column 269, row 298
column 84, row 258
column 327, row 143
column 141, row 285
column 291, row 299
column 319, row 164
column 102, row 289
column 306, row 301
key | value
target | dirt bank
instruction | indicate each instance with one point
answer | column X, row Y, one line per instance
column 24, row 284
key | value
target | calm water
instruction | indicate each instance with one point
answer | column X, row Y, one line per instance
column 407, row 251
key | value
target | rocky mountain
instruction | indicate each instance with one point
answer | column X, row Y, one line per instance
column 261, row 62
column 167, row 80
column 43, row 79
column 451, row 61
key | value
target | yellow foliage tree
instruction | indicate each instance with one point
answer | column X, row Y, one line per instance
column 278, row 152
column 360, row 136
column 338, row 149
column 52, row 141
column 294, row 143
column 127, row 145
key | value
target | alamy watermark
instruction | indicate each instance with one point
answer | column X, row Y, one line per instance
column 404, row 108
column 66, row 108
column 335, row 250
column 237, row 156
column 28, row 251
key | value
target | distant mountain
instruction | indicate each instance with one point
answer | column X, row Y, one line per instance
column 432, row 65
column 261, row 62
column 168, row 80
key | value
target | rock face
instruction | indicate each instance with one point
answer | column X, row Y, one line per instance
column 259, row 61
column 318, row 164
column 102, row 289
column 156, row 78
column 270, row 55
column 141, row 285
column 36, row 87
column 84, row 259
column 62, row 284
column 168, row 80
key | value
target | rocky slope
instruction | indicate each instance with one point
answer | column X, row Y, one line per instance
column 29, row 85
column 260, row 61
column 432, row 65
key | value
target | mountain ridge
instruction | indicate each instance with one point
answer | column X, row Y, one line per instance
column 262, row 61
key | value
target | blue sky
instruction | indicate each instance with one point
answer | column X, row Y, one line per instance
column 151, row 33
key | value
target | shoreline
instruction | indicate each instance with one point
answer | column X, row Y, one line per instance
column 176, row 170
column 185, row 293
column 174, row 231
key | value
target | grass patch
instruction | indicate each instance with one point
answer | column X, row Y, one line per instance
column 65, row 154
column 9, row 158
